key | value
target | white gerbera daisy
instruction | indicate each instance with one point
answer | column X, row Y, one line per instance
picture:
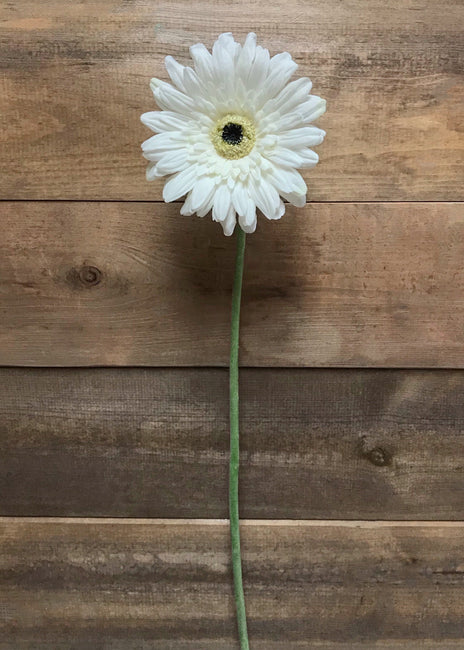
column 232, row 132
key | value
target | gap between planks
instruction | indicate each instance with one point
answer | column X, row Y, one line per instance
column 298, row 523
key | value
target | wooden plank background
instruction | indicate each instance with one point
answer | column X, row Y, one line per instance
column 93, row 581
column 344, row 444
column 352, row 342
column 77, row 80
column 367, row 284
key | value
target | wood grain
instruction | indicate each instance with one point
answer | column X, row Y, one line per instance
column 351, row 444
column 138, row 284
column 117, row 583
column 76, row 80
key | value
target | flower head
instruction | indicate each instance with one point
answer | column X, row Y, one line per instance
column 232, row 132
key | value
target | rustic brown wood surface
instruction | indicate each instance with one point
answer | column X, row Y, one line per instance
column 76, row 78
column 351, row 444
column 368, row 276
column 138, row 284
column 163, row 584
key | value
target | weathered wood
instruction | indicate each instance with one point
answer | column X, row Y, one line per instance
column 165, row 584
column 76, row 81
column 138, row 284
column 329, row 444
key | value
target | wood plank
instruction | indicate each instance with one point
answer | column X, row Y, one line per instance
column 76, row 81
column 372, row 444
column 136, row 284
column 165, row 584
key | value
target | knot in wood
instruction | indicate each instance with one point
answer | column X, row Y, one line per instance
column 90, row 275
column 378, row 456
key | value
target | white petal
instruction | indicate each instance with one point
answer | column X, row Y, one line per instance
column 302, row 114
column 228, row 225
column 158, row 141
column 170, row 99
column 309, row 158
column 175, row 71
column 254, row 196
column 298, row 200
column 192, row 83
column 223, row 67
column 250, row 215
column 287, row 180
column 307, row 136
column 259, row 69
column 202, row 192
column 281, row 68
column 180, row 184
column 157, row 83
column 249, row 47
column 246, row 56
column 207, row 206
column 186, row 208
column 313, row 108
column 163, row 142
column 203, row 62
column 289, row 121
column 284, row 157
column 269, row 200
column 222, row 203
column 244, row 206
column 248, row 226
column 225, row 42
column 152, row 172
column 280, row 210
column 282, row 65
column 289, row 97
column 240, row 198
column 173, row 162
column 160, row 121
column 265, row 196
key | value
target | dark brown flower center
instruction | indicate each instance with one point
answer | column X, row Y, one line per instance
column 232, row 133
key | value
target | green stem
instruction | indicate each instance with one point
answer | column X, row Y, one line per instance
column 234, row 444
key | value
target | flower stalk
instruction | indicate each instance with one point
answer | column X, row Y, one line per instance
column 235, row 443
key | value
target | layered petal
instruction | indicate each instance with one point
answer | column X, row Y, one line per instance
column 284, row 157
column 281, row 68
column 170, row 162
column 160, row 121
column 203, row 62
column 186, row 208
column 307, row 136
column 266, row 198
column 259, row 69
column 222, row 202
column 293, row 94
column 298, row 200
column 287, row 180
column 248, row 226
column 180, row 184
column 308, row 158
column 169, row 98
column 152, row 173
column 163, row 143
column 203, row 192
column 228, row 225
column 175, row 71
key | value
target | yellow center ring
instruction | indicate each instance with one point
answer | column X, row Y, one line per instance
column 235, row 150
